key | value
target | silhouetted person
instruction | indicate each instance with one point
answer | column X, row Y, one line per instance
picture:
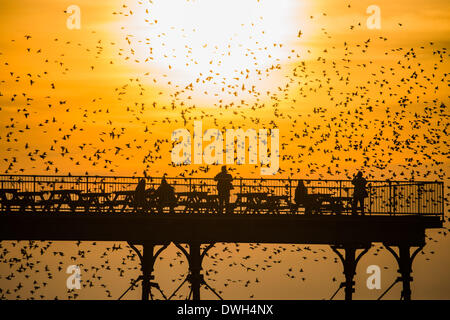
column 139, row 194
column 166, row 196
column 302, row 198
column 224, row 186
column 359, row 193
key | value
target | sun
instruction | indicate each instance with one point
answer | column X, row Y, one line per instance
column 213, row 48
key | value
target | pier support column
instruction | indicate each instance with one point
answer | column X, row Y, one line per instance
column 195, row 267
column 148, row 259
column 349, row 262
column 405, row 261
column 147, row 263
column 195, row 258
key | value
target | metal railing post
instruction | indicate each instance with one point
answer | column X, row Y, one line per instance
column 290, row 190
column 390, row 197
column 394, row 200
column 419, row 198
column 240, row 191
column 442, row 200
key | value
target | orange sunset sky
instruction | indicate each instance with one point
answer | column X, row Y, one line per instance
column 104, row 99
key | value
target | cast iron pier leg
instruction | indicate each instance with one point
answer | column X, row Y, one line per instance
column 405, row 261
column 147, row 268
column 195, row 267
column 195, row 257
column 147, row 258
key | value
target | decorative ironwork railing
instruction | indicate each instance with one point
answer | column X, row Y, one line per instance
column 384, row 197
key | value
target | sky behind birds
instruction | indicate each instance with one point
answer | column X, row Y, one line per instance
column 105, row 99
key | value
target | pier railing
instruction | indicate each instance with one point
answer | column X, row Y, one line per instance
column 384, row 197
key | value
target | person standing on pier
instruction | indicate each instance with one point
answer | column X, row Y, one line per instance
column 139, row 195
column 166, row 196
column 224, row 185
column 359, row 193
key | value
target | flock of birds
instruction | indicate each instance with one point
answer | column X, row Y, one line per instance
column 34, row 266
column 335, row 113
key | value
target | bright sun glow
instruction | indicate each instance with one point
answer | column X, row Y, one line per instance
column 224, row 48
